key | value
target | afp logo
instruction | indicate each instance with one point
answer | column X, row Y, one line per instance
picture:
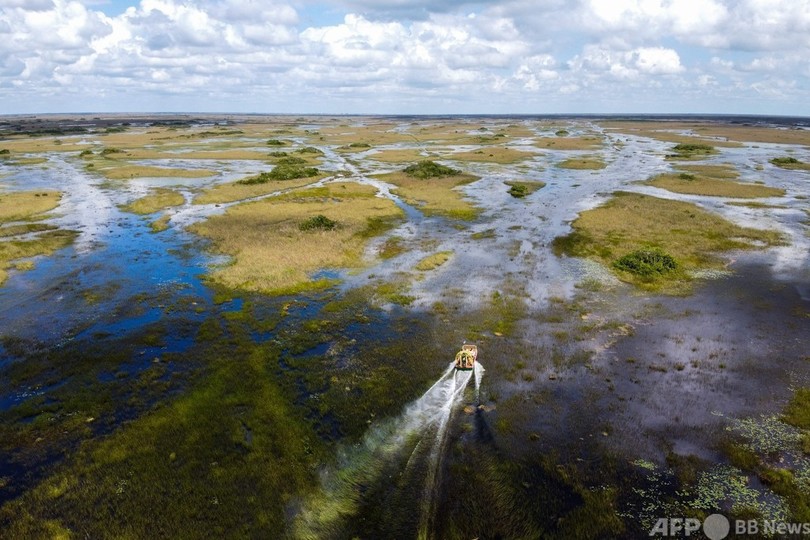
column 715, row 527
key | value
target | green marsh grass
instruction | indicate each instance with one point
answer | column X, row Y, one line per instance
column 790, row 163
column 629, row 222
column 523, row 189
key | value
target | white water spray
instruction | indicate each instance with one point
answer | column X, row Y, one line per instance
column 424, row 424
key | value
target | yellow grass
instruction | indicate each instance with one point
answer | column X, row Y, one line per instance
column 224, row 154
column 570, row 143
column 670, row 132
column 120, row 170
column 493, row 154
column 160, row 224
column 431, row 262
column 713, row 187
column 24, row 205
column 272, row 254
column 374, row 134
column 754, row 204
column 631, row 221
column 754, row 134
column 401, row 155
column 157, row 200
column 725, row 171
column 587, row 163
column 28, row 205
column 434, row 196
column 233, row 191
column 455, row 132
column 33, row 145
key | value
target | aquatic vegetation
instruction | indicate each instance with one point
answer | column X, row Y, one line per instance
column 797, row 411
column 712, row 187
column 790, row 163
column 191, row 457
column 159, row 199
column 630, row 222
column 276, row 142
column 392, row 247
column 431, row 262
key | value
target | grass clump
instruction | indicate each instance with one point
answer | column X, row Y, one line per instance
column 631, row 222
column 790, row 163
column 429, row 169
column 276, row 142
column 431, row 262
column 310, row 150
column 158, row 200
column 318, row 223
column 282, row 171
column 647, row 263
column 691, row 151
column 797, row 411
column 522, row 189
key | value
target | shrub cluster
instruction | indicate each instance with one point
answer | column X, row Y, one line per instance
column 281, row 172
column 429, row 169
column 647, row 263
column 518, row 190
column 785, row 161
column 319, row 222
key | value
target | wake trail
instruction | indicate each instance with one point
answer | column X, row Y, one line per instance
column 422, row 427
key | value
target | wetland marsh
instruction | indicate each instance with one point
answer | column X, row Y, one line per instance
column 240, row 326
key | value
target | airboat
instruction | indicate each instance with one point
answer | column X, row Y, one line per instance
column 466, row 357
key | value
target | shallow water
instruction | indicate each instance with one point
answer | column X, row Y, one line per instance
column 662, row 374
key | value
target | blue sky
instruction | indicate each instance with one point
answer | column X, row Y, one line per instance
column 406, row 56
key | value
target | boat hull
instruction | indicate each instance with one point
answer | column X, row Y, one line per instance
column 466, row 357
